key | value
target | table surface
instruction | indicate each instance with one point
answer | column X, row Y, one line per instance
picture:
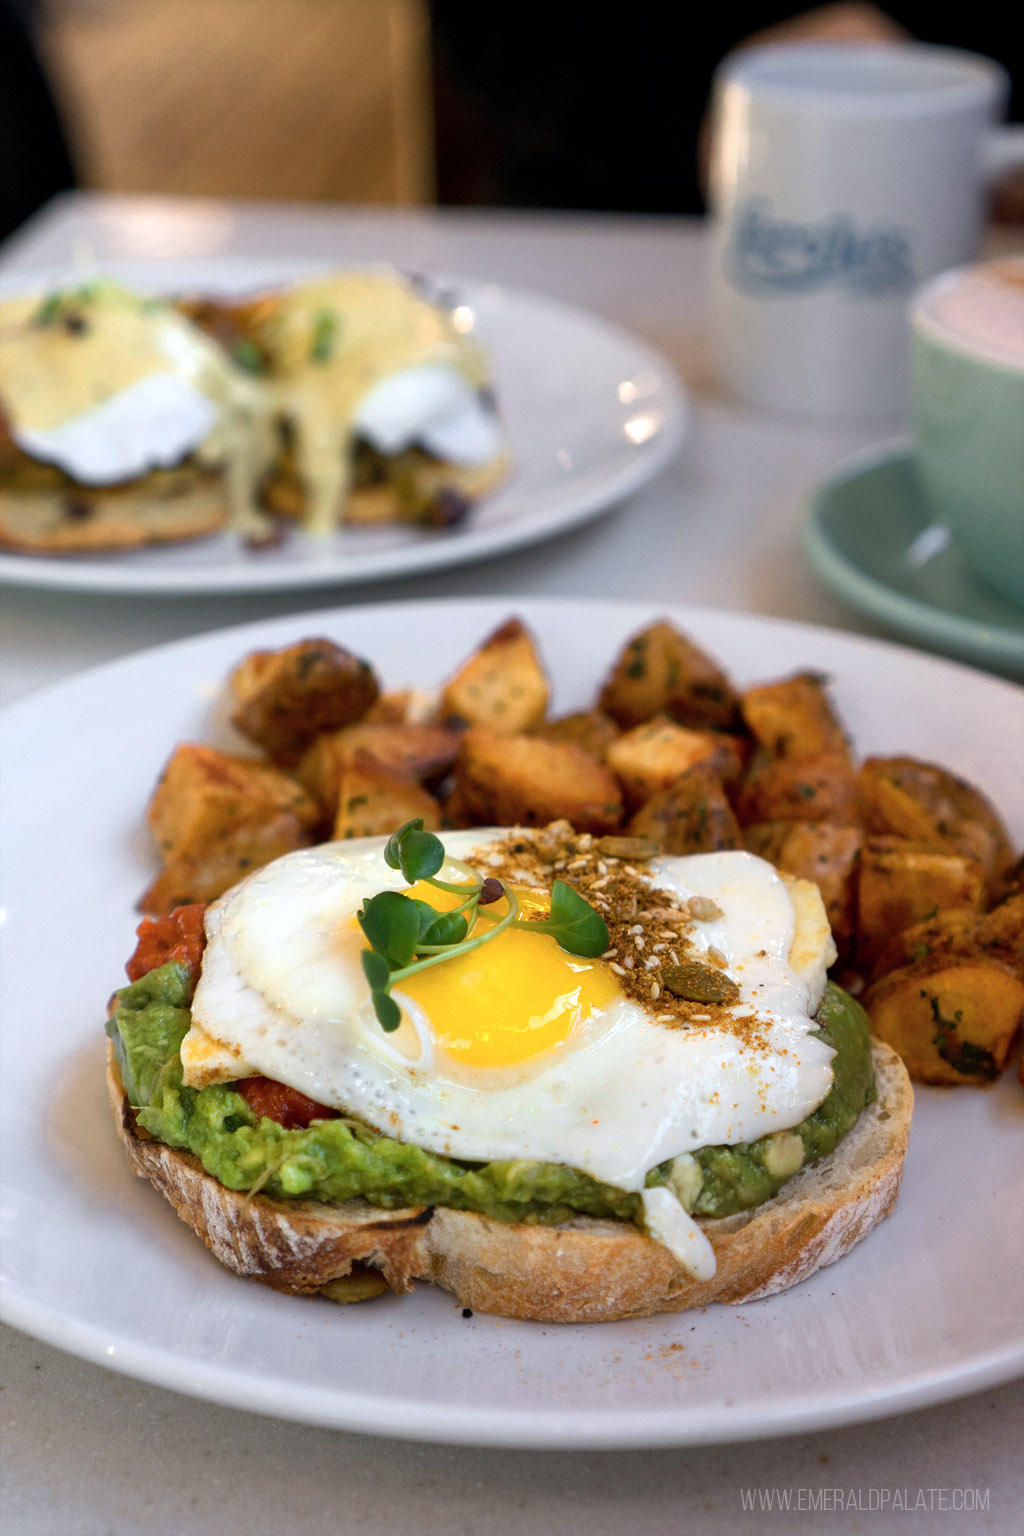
column 87, row 1451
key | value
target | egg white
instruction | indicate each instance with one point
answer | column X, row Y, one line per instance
column 432, row 405
column 152, row 424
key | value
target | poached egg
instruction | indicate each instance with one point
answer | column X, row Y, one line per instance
column 109, row 385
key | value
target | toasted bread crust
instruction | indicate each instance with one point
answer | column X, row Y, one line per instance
column 581, row 1271
column 93, row 519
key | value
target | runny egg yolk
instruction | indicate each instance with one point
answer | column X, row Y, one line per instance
column 511, row 999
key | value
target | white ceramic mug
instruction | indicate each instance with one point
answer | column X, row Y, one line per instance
column 842, row 177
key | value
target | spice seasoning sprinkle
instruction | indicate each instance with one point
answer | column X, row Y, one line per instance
column 648, row 927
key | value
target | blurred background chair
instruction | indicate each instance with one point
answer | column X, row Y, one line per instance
column 508, row 103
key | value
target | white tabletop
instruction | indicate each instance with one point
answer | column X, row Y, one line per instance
column 90, row 1452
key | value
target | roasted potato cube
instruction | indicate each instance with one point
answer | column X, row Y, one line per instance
column 424, row 753
column 822, row 788
column 953, row 1020
column 652, row 756
column 794, row 718
column 661, row 672
column 374, row 800
column 588, row 728
column 212, row 868
column 908, row 798
column 901, row 884
column 204, row 795
column 403, row 706
column 692, row 816
column 817, row 851
column 521, row 780
column 285, row 698
column 997, row 935
column 502, row 686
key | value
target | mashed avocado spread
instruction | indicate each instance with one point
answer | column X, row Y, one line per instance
column 337, row 1160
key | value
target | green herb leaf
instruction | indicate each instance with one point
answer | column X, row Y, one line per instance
column 389, row 1015
column 573, row 923
column 326, row 325
column 248, row 356
column 49, row 309
column 416, row 853
column 376, row 970
column 447, row 928
column 391, row 922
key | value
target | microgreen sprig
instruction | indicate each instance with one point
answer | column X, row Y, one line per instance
column 407, row 935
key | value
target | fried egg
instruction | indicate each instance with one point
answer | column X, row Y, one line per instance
column 108, row 385
column 519, row 1049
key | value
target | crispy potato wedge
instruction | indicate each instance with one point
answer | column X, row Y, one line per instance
column 215, row 816
column 903, row 883
column 404, row 706
column 219, row 862
column 828, row 855
column 502, row 686
column 285, row 698
column 587, row 728
column 692, row 816
column 661, row 672
column 905, row 797
column 423, row 753
column 822, row 788
column 952, row 1019
column 998, row 934
column 794, row 717
column 374, row 800
column 521, row 780
column 650, row 757
column 203, row 795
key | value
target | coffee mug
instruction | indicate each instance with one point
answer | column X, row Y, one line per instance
column 967, row 375
column 842, row 177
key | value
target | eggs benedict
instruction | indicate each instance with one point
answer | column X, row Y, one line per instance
column 382, row 400
column 121, row 423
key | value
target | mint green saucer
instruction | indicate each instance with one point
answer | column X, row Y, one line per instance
column 869, row 536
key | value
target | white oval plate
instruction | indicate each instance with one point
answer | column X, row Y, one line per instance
column 928, row 1307
column 592, row 413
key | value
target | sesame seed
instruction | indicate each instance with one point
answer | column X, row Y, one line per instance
column 617, row 969
column 655, row 991
column 629, row 962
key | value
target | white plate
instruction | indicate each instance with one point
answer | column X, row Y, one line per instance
column 592, row 414
column 928, row 1307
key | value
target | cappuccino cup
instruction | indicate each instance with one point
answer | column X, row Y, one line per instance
column 967, row 374
column 842, row 177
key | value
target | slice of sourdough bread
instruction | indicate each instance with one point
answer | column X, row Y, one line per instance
column 583, row 1271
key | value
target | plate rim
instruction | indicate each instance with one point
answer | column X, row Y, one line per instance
column 517, row 1427
column 105, row 572
column 512, row 1429
column 977, row 641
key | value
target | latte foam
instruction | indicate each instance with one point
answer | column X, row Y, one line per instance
column 979, row 310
